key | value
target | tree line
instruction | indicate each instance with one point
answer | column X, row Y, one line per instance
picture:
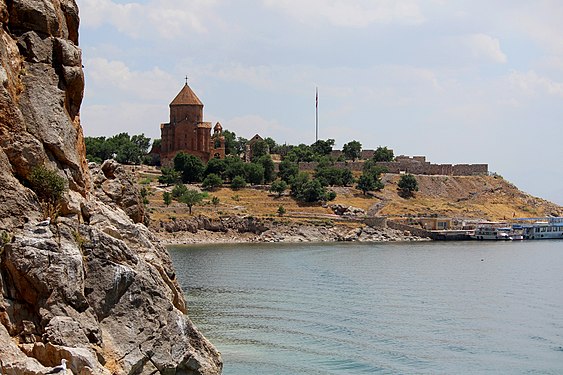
column 232, row 170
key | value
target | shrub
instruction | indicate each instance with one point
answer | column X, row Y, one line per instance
column 190, row 166
column 254, row 173
column 179, row 190
column 212, row 181
column 5, row 238
column 281, row 210
column 278, row 187
column 288, row 170
column 238, row 183
column 169, row 176
column 408, row 184
column 167, row 198
column 49, row 188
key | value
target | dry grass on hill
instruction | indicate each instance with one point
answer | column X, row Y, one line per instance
column 480, row 197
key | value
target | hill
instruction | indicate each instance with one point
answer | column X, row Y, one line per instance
column 471, row 197
column 478, row 197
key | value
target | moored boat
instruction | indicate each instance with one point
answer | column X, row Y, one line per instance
column 487, row 232
column 552, row 228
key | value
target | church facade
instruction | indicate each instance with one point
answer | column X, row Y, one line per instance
column 187, row 132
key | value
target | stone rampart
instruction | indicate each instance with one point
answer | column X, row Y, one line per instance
column 414, row 165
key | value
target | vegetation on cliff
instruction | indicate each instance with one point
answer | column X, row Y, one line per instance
column 91, row 286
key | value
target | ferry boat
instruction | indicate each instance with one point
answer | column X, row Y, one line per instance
column 552, row 228
column 492, row 233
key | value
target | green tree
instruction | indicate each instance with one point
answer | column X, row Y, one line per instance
column 297, row 183
column 190, row 166
column 259, row 148
column 254, row 173
column 278, row 187
column 179, row 190
column 240, row 145
column 234, row 167
column 371, row 167
column 211, row 182
column 323, row 148
column 272, row 145
column 238, row 183
column 311, row 191
column 334, row 176
column 352, row 150
column 141, row 142
column 383, row 154
column 167, row 198
column 230, row 140
column 216, row 166
column 169, row 176
column 269, row 168
column 191, row 198
column 288, row 170
column 366, row 183
column 301, row 153
column 98, row 149
column 408, row 185
column 156, row 143
column 128, row 153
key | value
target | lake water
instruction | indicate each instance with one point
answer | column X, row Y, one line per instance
column 410, row 308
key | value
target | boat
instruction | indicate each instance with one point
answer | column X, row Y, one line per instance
column 488, row 232
column 552, row 228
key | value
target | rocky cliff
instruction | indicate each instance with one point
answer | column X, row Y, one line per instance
column 89, row 285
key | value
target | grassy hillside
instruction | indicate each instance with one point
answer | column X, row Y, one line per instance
column 480, row 197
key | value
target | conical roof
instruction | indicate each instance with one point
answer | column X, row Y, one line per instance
column 186, row 97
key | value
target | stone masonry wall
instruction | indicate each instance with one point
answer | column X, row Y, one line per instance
column 412, row 165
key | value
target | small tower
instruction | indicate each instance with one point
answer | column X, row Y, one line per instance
column 217, row 143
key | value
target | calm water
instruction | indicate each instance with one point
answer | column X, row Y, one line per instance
column 424, row 308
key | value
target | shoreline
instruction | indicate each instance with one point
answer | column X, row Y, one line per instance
column 292, row 233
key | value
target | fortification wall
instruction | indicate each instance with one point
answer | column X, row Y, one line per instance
column 415, row 165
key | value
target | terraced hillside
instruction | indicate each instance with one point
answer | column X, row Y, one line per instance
column 479, row 197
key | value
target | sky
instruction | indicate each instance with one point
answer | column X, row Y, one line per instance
column 475, row 81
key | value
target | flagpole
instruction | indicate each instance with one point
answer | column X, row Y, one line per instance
column 316, row 114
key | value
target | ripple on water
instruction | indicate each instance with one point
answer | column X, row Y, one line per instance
column 361, row 309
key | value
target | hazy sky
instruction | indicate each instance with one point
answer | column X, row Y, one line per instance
column 458, row 81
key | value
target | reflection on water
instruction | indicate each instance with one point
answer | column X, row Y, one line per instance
column 428, row 308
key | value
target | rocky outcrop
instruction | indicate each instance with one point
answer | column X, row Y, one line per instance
column 114, row 186
column 233, row 229
column 92, row 285
column 347, row 211
column 240, row 224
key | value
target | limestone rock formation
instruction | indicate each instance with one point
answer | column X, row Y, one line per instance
column 92, row 285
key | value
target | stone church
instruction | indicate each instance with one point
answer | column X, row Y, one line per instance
column 187, row 132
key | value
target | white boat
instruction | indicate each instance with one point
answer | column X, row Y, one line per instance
column 492, row 233
column 544, row 230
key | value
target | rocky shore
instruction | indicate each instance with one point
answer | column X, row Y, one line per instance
column 202, row 230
